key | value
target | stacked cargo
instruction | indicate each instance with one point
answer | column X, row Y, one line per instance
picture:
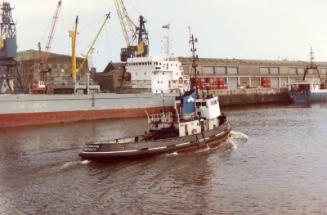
column 211, row 83
column 200, row 83
column 265, row 82
column 221, row 84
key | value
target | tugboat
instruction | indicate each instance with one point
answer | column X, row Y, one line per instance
column 196, row 123
column 308, row 91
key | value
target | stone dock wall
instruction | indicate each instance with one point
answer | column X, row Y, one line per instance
column 251, row 96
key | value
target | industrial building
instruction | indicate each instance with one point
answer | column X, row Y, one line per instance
column 237, row 73
column 240, row 73
column 111, row 78
column 59, row 67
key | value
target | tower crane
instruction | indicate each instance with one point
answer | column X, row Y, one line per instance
column 44, row 55
column 38, row 87
column 136, row 37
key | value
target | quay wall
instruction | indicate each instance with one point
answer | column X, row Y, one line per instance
column 251, row 96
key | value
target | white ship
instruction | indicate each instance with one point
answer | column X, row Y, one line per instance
column 163, row 79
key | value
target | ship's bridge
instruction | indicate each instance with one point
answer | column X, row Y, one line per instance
column 157, row 75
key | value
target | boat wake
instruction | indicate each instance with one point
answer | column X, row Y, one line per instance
column 172, row 154
column 205, row 149
column 64, row 167
column 232, row 143
column 236, row 138
column 239, row 136
column 72, row 164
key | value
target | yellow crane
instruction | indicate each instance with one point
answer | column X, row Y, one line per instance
column 73, row 34
column 136, row 37
column 94, row 41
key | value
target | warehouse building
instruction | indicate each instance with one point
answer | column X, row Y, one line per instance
column 60, row 67
column 239, row 73
column 229, row 74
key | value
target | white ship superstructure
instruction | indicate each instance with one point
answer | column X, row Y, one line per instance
column 157, row 75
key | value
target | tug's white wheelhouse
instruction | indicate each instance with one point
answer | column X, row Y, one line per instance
column 211, row 112
column 197, row 115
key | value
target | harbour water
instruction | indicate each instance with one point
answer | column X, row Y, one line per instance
column 280, row 169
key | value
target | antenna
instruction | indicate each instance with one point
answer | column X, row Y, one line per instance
column 311, row 57
column 193, row 41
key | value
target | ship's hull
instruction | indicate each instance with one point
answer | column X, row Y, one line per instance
column 308, row 96
column 27, row 110
column 108, row 151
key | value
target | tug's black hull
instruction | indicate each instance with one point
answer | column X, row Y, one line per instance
column 145, row 148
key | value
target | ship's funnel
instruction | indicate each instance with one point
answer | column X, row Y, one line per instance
column 189, row 103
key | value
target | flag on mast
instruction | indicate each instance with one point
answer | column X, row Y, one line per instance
column 166, row 26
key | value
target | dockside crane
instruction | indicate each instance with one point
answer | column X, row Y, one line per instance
column 43, row 55
column 73, row 34
column 94, row 41
column 52, row 31
column 136, row 37
column 312, row 66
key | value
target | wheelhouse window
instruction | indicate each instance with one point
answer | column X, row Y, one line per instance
column 214, row 102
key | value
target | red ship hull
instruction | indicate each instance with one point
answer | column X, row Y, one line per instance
column 45, row 118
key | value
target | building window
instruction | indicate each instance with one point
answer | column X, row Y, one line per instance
column 300, row 71
column 292, row 71
column 220, row 70
column 232, row 70
column 264, row 71
column 323, row 71
column 208, row 70
column 269, row 70
column 274, row 71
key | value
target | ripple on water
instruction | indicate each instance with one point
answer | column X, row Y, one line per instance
column 280, row 169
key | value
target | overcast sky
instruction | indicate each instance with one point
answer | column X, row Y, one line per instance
column 250, row 29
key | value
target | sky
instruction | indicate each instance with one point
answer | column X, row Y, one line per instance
column 246, row 29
